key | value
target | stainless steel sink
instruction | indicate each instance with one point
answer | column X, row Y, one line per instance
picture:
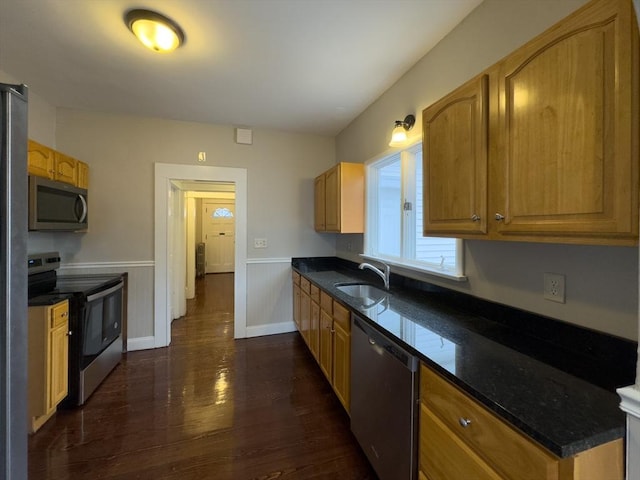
column 364, row 293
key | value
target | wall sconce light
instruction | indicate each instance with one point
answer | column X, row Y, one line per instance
column 155, row 31
column 399, row 134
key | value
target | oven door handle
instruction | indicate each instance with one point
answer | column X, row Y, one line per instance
column 104, row 293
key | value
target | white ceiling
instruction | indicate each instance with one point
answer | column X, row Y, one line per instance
column 297, row 65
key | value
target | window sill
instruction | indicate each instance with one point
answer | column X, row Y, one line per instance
column 419, row 272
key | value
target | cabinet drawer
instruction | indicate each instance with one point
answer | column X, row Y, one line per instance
column 315, row 294
column 296, row 278
column 59, row 314
column 305, row 285
column 326, row 302
column 444, row 456
column 341, row 316
column 509, row 452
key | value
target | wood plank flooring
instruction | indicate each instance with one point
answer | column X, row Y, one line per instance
column 207, row 407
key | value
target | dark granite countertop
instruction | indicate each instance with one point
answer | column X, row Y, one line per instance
column 517, row 373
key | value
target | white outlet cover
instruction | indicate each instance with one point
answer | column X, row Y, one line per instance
column 554, row 287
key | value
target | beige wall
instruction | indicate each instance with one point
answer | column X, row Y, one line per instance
column 601, row 282
column 121, row 152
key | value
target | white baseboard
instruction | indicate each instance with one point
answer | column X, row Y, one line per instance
column 140, row 343
column 271, row 329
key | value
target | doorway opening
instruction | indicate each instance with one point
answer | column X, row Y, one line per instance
column 171, row 181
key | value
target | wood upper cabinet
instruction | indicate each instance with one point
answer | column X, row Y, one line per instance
column 40, row 160
column 343, row 207
column 46, row 162
column 48, row 361
column 455, row 152
column 567, row 151
column 563, row 149
column 318, row 204
column 66, row 168
column 82, row 174
column 459, row 438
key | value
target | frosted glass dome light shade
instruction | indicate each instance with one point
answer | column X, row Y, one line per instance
column 399, row 133
column 155, row 31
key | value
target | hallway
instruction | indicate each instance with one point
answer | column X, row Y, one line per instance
column 207, row 407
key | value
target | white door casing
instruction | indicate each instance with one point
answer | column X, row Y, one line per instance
column 164, row 174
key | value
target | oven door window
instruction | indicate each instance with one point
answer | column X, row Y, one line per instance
column 102, row 325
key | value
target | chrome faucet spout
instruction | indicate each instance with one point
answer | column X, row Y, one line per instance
column 384, row 275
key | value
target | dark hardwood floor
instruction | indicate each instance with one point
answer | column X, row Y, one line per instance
column 207, row 407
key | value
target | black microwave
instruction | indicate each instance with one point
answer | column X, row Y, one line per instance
column 56, row 205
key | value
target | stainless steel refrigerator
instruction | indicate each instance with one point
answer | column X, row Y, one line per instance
column 13, row 281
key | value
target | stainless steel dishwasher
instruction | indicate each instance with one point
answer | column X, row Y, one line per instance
column 384, row 396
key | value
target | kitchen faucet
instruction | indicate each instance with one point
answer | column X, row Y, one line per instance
column 384, row 275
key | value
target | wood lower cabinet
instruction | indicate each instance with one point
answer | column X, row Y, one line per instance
column 48, row 361
column 296, row 299
column 305, row 309
column 339, row 197
column 314, row 322
column 326, row 344
column 328, row 335
column 547, row 138
column 460, row 439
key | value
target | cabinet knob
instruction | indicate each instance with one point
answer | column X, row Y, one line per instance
column 69, row 333
column 464, row 422
column 499, row 217
column 475, row 218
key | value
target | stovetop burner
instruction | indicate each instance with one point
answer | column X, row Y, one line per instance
column 46, row 287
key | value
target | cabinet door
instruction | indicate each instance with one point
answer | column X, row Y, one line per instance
column 58, row 349
column 326, row 344
column 58, row 365
column 567, row 161
column 83, row 175
column 455, row 151
column 319, row 204
column 40, row 160
column 296, row 306
column 332, row 199
column 65, row 167
column 314, row 329
column 342, row 365
column 305, row 315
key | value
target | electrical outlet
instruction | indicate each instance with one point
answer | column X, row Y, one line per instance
column 259, row 243
column 554, row 287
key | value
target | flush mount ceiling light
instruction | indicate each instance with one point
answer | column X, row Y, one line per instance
column 155, row 31
column 399, row 134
